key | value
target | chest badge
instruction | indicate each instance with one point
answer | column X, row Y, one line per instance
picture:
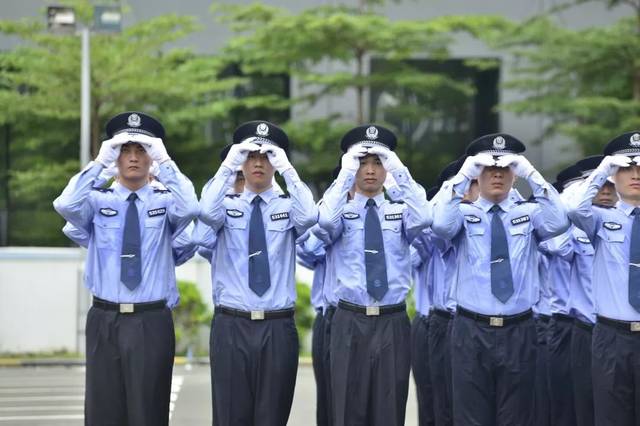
column 280, row 216
column 584, row 240
column 234, row 213
column 108, row 212
column 350, row 215
column 612, row 226
column 520, row 220
column 393, row 216
column 472, row 218
column 157, row 212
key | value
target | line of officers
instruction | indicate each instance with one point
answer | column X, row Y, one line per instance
column 528, row 310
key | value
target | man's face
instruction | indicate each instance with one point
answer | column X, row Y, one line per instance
column 133, row 162
column 495, row 182
column 257, row 171
column 607, row 195
column 370, row 175
column 628, row 182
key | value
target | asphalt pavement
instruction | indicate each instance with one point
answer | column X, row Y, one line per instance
column 53, row 396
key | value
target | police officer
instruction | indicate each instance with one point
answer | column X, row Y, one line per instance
column 493, row 334
column 130, row 271
column 254, row 341
column 615, row 235
column 371, row 236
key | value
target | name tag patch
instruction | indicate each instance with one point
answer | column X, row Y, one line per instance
column 157, row 212
column 108, row 212
column 393, row 216
column 584, row 240
column 612, row 226
column 350, row 215
column 520, row 220
column 280, row 216
column 234, row 213
column 472, row 218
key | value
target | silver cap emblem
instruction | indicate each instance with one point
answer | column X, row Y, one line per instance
column 372, row 133
column 635, row 139
column 134, row 120
column 262, row 129
column 499, row 143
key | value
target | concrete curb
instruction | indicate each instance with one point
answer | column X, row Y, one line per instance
column 79, row 362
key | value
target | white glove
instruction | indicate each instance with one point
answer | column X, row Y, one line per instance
column 110, row 149
column 351, row 159
column 154, row 146
column 611, row 163
column 389, row 181
column 636, row 160
column 518, row 163
column 238, row 155
column 154, row 169
column 109, row 172
column 473, row 165
column 389, row 159
column 277, row 157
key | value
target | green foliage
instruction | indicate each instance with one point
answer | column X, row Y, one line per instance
column 192, row 318
column 304, row 314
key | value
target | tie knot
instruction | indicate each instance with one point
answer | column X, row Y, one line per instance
column 132, row 197
column 256, row 200
column 495, row 209
column 635, row 211
column 371, row 202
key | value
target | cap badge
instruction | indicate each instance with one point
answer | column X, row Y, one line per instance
column 499, row 143
column 134, row 120
column 635, row 139
column 262, row 130
column 372, row 133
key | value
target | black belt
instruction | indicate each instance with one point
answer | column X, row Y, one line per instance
column 562, row 317
column 442, row 313
column 543, row 318
column 633, row 326
column 128, row 308
column 496, row 320
column 372, row 310
column 255, row 315
column 584, row 325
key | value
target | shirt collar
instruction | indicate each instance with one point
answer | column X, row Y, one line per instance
column 266, row 196
column 625, row 207
column 122, row 192
column 486, row 205
column 361, row 200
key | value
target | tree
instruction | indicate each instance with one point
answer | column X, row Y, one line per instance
column 271, row 40
column 585, row 82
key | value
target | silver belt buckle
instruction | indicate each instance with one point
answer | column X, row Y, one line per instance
column 635, row 326
column 126, row 308
column 257, row 315
column 496, row 321
column 373, row 311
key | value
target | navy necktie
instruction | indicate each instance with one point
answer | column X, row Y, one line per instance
column 259, row 278
column 374, row 259
column 501, row 278
column 130, row 261
column 634, row 261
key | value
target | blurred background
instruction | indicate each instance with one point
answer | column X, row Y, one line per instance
column 563, row 76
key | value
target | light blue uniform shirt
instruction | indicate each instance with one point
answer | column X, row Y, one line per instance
column 163, row 215
column 284, row 218
column 468, row 226
column 401, row 222
column 581, row 293
column 609, row 230
column 311, row 255
column 560, row 252
column 421, row 253
column 543, row 305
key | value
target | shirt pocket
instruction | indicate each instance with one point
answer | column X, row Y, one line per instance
column 520, row 240
column 392, row 236
column 107, row 232
column 614, row 244
column 475, row 239
column 235, row 232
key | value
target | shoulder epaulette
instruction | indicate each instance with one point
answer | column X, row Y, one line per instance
column 232, row 195
column 285, row 196
column 161, row 191
column 527, row 201
column 101, row 189
column 396, row 202
column 603, row 206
